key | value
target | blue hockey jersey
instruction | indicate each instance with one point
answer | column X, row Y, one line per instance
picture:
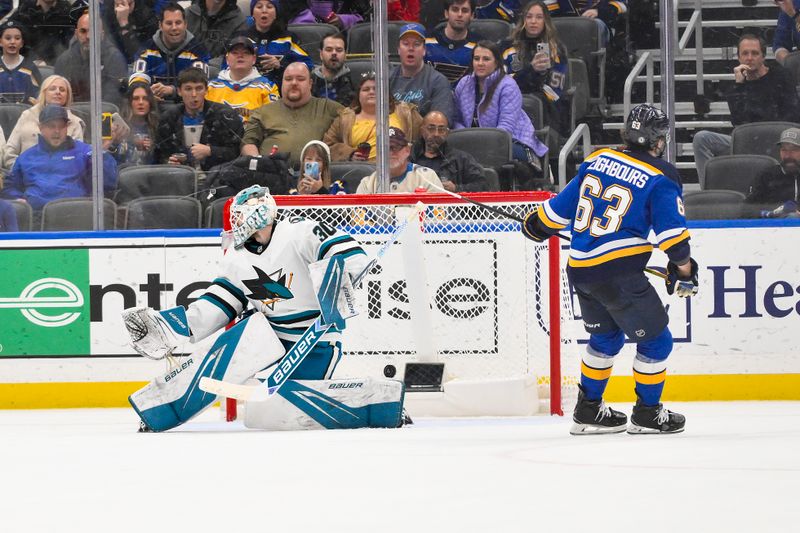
column 613, row 202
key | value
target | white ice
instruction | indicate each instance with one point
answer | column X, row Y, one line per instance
column 735, row 469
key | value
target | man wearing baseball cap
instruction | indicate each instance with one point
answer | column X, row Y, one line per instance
column 775, row 192
column 404, row 176
column 58, row 166
column 241, row 86
column 416, row 82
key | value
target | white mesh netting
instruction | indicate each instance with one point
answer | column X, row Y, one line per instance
column 487, row 315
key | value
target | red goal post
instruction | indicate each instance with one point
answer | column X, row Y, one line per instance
column 497, row 307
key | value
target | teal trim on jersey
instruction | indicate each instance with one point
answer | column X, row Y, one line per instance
column 289, row 331
column 176, row 318
column 229, row 311
column 344, row 254
column 294, row 317
column 231, row 288
column 326, row 246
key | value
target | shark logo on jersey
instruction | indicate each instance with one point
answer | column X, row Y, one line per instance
column 270, row 288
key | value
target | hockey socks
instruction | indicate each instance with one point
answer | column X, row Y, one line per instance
column 595, row 371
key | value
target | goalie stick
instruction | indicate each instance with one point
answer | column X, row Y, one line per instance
column 292, row 359
column 514, row 217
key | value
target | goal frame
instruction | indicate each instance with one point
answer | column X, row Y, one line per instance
column 496, row 199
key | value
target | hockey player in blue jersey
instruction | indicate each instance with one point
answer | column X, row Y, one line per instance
column 611, row 205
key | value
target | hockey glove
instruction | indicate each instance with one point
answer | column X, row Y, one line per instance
column 531, row 227
column 681, row 285
column 782, row 211
column 155, row 334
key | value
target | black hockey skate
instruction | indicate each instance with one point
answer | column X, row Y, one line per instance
column 144, row 428
column 649, row 419
column 593, row 417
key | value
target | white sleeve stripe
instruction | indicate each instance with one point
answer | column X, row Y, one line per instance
column 668, row 234
column 553, row 216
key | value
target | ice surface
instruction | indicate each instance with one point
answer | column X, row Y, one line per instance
column 735, row 469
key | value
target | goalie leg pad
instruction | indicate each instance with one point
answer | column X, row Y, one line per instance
column 238, row 353
column 330, row 404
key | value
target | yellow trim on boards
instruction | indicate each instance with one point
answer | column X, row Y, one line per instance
column 716, row 387
column 678, row 388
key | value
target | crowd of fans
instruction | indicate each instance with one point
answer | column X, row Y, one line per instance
column 212, row 87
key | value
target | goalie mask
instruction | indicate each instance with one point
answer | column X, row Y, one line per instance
column 252, row 209
column 645, row 125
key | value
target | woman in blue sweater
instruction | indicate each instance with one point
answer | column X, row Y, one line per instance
column 488, row 98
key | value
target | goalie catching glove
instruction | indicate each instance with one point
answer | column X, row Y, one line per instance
column 683, row 286
column 532, row 228
column 155, row 334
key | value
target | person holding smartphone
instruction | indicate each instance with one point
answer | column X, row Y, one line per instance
column 538, row 61
column 315, row 169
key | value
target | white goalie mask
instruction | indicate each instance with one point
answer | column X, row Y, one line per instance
column 252, row 209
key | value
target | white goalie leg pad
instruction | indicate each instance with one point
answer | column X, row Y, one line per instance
column 236, row 355
column 330, row 404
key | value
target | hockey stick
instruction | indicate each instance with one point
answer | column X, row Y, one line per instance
column 506, row 214
column 308, row 340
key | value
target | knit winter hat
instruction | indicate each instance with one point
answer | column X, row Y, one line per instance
column 275, row 3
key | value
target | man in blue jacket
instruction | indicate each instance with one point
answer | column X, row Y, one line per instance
column 58, row 166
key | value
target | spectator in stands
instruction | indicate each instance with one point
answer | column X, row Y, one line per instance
column 240, row 86
column 140, row 111
column 55, row 90
column 761, row 93
column 292, row 121
column 8, row 217
column 6, row 6
column 73, row 64
column 407, row 10
column 130, row 24
column 404, row 176
column 604, row 12
column 276, row 48
column 19, row 75
column 50, row 24
column 416, row 82
column 488, row 98
column 787, row 35
column 58, row 166
column 355, row 125
column 538, row 61
column 171, row 50
column 332, row 78
column 340, row 13
column 213, row 22
column 206, row 133
column 775, row 193
column 457, row 169
column 315, row 169
column 449, row 50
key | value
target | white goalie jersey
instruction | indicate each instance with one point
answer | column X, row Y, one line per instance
column 275, row 280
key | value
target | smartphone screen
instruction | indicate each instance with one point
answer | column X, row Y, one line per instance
column 311, row 169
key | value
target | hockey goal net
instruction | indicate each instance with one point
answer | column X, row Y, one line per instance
column 462, row 288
